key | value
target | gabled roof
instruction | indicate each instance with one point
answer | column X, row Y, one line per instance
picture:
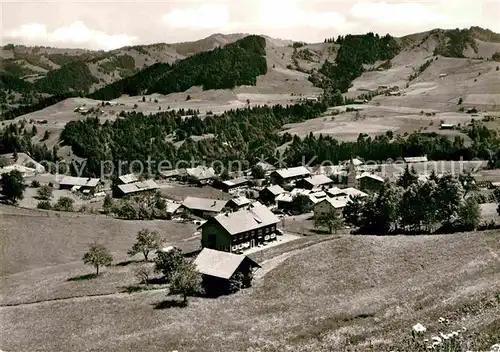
column 235, row 182
column 334, row 191
column 240, row 201
column 219, row 264
column 317, row 197
column 134, row 187
column 416, row 159
column 204, row 204
column 337, row 202
column 372, row 176
column 171, row 207
column 201, row 172
column 128, row 178
column 292, row 172
column 284, row 197
column 275, row 189
column 79, row 181
column 351, row 191
column 300, row 191
column 255, row 217
column 318, row 180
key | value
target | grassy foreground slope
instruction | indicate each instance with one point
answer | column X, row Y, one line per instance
column 353, row 288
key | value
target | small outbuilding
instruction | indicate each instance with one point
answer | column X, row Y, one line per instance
column 369, row 182
column 447, row 126
column 126, row 179
column 416, row 159
column 239, row 203
column 268, row 195
column 219, row 268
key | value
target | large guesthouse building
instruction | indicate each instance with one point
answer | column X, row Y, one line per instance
column 235, row 232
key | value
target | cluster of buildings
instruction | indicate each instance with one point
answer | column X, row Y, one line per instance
column 233, row 227
column 249, row 219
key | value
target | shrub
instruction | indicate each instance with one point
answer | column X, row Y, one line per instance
column 64, row 204
column 44, row 204
column 35, row 184
column 45, row 192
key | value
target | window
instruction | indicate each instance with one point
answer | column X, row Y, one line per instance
column 267, row 229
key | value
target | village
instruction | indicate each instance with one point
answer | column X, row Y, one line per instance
column 242, row 213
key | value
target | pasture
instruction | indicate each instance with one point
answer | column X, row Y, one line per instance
column 344, row 290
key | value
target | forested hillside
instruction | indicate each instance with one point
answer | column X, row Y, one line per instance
column 235, row 64
column 74, row 76
column 355, row 50
column 133, row 85
column 248, row 134
column 454, row 42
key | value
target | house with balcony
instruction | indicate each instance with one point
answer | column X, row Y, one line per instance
column 240, row 230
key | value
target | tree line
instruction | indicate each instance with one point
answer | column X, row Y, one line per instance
column 441, row 204
column 251, row 133
column 241, row 134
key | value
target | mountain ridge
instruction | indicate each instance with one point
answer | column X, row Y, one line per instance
column 60, row 71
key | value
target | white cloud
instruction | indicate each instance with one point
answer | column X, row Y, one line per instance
column 396, row 13
column 207, row 16
column 288, row 14
column 76, row 34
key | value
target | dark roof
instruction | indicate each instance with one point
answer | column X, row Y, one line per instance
column 219, row 264
column 255, row 217
column 204, row 204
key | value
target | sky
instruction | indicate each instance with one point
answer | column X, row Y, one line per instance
column 106, row 25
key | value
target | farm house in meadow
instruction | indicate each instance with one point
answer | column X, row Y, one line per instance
column 218, row 268
column 82, row 184
column 134, row 188
column 243, row 229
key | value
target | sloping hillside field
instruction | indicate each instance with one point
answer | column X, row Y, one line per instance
column 345, row 291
